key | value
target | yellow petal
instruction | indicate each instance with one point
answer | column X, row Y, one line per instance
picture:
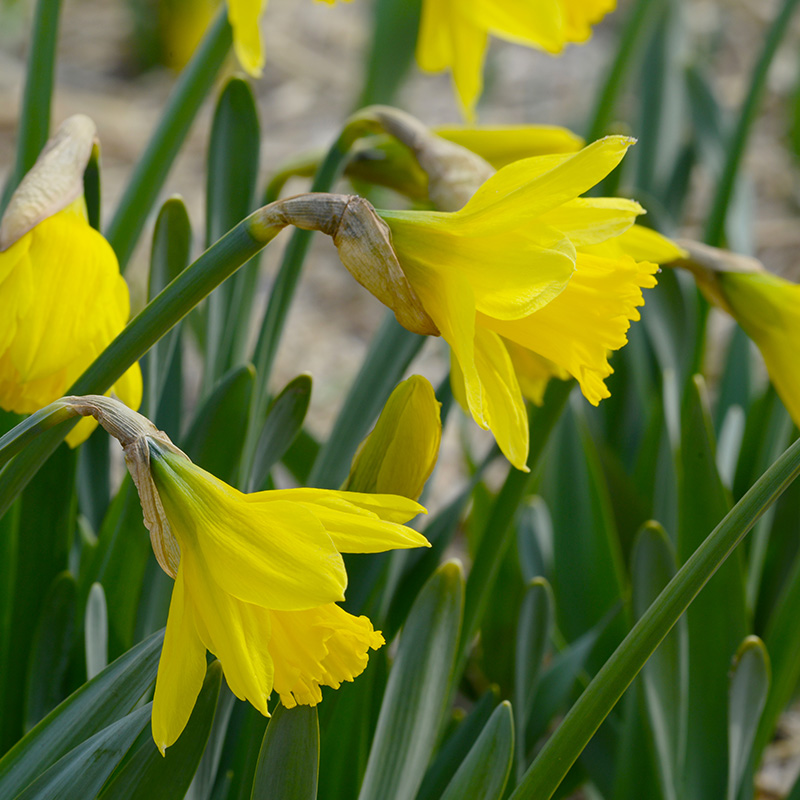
column 501, row 146
column 503, row 406
column 591, row 220
column 356, row 522
column 528, row 188
column 236, row 633
column 320, row 647
column 768, row 308
column 274, row 555
column 181, row 669
column 645, row 244
column 244, row 16
column 400, row 452
column 589, row 318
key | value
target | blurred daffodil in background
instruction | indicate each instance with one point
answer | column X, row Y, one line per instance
column 62, row 298
column 455, row 35
column 528, row 260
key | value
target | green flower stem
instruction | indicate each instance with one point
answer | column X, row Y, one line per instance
column 715, row 227
column 34, row 124
column 150, row 173
column 163, row 312
column 559, row 753
column 21, row 435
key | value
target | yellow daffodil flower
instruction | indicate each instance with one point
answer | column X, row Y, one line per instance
column 454, row 34
column 257, row 576
column 400, row 452
column 768, row 308
column 62, row 298
column 529, row 261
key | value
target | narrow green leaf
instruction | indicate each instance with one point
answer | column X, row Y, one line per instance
column 418, row 690
column 217, row 435
column 34, row 120
column 715, row 224
column 348, row 718
column 82, row 772
column 391, row 351
column 288, row 763
column 240, row 753
column 106, row 698
column 118, row 563
column 591, row 708
column 535, row 539
column 96, row 631
column 153, row 167
column 9, row 728
column 534, row 629
column 455, row 748
column 93, row 482
column 208, row 768
column 232, row 170
column 169, row 256
column 485, row 770
column 394, row 37
column 717, row 621
column 150, row 775
column 588, row 574
column 499, row 525
column 664, row 677
column 749, row 685
column 281, row 427
column 50, row 652
column 559, row 679
column 44, row 535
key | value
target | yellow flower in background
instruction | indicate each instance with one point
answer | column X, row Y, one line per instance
column 400, row 453
column 62, row 298
column 768, row 309
column 244, row 16
column 454, row 33
column 502, row 145
column 527, row 260
column 257, row 580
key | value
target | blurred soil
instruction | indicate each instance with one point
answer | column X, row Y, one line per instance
column 315, row 58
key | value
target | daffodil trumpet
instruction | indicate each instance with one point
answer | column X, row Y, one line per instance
column 257, row 576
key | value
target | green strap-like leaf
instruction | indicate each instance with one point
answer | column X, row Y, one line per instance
column 455, row 748
column 153, row 167
column 82, row 772
column 97, row 704
column 50, row 652
column 534, row 629
column 232, row 171
column 749, row 685
column 665, row 674
column 717, row 620
column 485, row 770
column 217, row 434
column 288, row 763
column 148, row 774
column 281, row 427
column 96, row 631
column 34, row 121
column 417, row 691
